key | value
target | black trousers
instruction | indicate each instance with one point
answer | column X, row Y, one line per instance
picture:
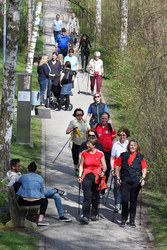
column 91, row 195
column 75, row 153
column 107, row 155
column 84, row 56
column 129, row 191
column 67, row 101
column 42, row 202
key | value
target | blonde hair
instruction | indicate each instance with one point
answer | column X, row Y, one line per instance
column 43, row 60
column 99, row 95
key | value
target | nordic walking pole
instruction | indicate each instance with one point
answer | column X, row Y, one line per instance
column 113, row 219
column 87, row 84
column 140, row 206
column 79, row 198
column 100, row 193
column 64, row 146
column 109, row 189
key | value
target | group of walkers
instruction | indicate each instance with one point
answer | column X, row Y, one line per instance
column 59, row 75
column 97, row 154
column 100, row 155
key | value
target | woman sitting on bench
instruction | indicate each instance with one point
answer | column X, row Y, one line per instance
column 31, row 192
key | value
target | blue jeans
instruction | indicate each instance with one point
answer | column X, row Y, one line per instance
column 117, row 192
column 51, row 194
column 43, row 86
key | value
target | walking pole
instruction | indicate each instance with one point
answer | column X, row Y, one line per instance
column 100, row 193
column 140, row 205
column 79, row 198
column 109, row 189
column 78, row 84
column 115, row 211
column 64, row 146
column 87, row 84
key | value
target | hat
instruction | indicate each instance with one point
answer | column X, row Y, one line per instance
column 63, row 30
column 97, row 53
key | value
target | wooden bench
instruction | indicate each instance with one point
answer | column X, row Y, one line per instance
column 18, row 213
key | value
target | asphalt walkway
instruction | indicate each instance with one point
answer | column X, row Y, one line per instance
column 102, row 234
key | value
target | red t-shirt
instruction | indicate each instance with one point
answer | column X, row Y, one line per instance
column 105, row 136
column 92, row 161
column 92, row 164
column 131, row 158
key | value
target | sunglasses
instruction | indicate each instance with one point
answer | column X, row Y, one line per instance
column 79, row 115
column 97, row 96
column 122, row 135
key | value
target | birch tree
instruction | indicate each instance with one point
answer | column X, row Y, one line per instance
column 124, row 23
column 8, row 91
column 34, row 36
column 31, row 10
column 98, row 18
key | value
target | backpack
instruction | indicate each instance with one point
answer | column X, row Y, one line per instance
column 67, row 78
column 63, row 42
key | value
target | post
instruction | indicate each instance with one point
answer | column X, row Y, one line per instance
column 24, row 109
column 4, row 34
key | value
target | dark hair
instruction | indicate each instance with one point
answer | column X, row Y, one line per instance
column 32, row 167
column 138, row 145
column 14, row 162
column 58, row 15
column 68, row 64
column 87, row 38
column 106, row 113
column 63, row 30
column 125, row 130
column 94, row 131
column 55, row 53
column 93, row 141
column 71, row 50
column 76, row 110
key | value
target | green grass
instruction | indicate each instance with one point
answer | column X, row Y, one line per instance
column 156, row 205
column 14, row 241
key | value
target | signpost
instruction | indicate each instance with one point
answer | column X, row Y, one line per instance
column 24, row 108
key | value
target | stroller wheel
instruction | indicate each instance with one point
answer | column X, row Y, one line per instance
column 70, row 107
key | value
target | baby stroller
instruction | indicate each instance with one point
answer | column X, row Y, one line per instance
column 54, row 100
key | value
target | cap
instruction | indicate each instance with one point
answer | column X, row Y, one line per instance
column 97, row 53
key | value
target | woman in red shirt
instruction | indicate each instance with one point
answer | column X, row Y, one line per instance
column 92, row 168
column 133, row 172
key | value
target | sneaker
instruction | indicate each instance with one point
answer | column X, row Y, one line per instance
column 93, row 218
column 132, row 224
column 123, row 223
column 65, row 219
column 92, row 93
column 60, row 192
column 85, row 220
column 42, row 223
column 117, row 208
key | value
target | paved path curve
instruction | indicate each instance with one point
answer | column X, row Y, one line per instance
column 102, row 234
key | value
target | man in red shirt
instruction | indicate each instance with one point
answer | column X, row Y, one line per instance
column 107, row 136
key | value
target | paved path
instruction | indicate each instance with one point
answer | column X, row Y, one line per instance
column 102, row 234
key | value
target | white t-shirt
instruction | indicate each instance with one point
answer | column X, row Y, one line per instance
column 96, row 66
column 12, row 177
column 119, row 148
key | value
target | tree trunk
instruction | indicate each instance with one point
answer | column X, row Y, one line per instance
column 8, row 91
column 98, row 18
column 29, row 22
column 124, row 23
column 34, row 36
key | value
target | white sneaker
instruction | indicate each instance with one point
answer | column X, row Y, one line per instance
column 92, row 93
column 43, row 223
